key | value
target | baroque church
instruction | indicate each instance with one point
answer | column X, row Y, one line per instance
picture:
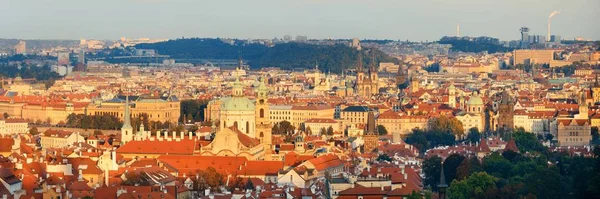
column 243, row 130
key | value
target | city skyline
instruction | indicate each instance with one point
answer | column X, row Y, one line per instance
column 403, row 20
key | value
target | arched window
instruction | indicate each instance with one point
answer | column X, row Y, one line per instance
column 235, row 124
column 247, row 127
column 262, row 113
column 261, row 135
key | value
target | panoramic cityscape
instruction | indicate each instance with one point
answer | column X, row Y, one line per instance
column 181, row 99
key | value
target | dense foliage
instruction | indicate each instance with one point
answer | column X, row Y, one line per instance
column 476, row 45
column 513, row 175
column 105, row 122
column 191, row 110
column 292, row 55
column 424, row 140
column 42, row 74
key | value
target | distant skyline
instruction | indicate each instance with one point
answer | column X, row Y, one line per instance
column 414, row 20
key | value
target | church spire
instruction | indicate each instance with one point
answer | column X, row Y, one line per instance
column 126, row 116
column 442, row 185
column 372, row 67
column 359, row 67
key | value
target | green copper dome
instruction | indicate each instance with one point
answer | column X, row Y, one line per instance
column 475, row 100
column 237, row 104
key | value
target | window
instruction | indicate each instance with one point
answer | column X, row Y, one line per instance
column 262, row 113
column 247, row 127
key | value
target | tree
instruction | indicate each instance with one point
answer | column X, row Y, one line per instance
column 381, row 129
column 98, row 132
column 431, row 169
column 384, row 157
column 418, row 139
column 6, row 115
column 467, row 167
column 473, row 187
column 283, row 127
column 496, row 165
column 544, row 182
column 415, row 195
column 446, row 124
column 451, row 163
column 330, row 131
column 527, row 142
column 249, row 184
column 474, row 136
column 595, row 135
column 34, row 131
column 323, row 131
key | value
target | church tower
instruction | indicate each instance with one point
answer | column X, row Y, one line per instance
column 583, row 106
column 360, row 75
column 127, row 129
column 414, row 84
column 373, row 70
column 506, row 111
column 451, row 95
column 371, row 137
column 596, row 90
column 263, row 124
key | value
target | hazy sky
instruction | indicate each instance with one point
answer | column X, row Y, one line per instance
column 415, row 20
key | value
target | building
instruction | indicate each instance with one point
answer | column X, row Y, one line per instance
column 371, row 138
column 316, row 125
column 59, row 139
column 367, row 84
column 529, row 57
column 506, row 112
column 13, row 126
column 162, row 109
column 474, row 116
column 575, row 131
column 64, row 59
column 297, row 115
column 355, row 115
column 21, row 48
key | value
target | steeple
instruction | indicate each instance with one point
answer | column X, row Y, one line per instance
column 372, row 67
column 359, row 67
column 442, row 185
column 240, row 61
column 126, row 116
column 127, row 130
column 237, row 88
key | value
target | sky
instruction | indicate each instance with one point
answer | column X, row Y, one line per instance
column 415, row 20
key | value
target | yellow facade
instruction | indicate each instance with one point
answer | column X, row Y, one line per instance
column 156, row 110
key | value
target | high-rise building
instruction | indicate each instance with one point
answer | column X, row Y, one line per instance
column 63, row 58
column 525, row 37
column 21, row 48
column 555, row 39
column 81, row 57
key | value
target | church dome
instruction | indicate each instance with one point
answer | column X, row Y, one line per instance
column 237, row 104
column 475, row 100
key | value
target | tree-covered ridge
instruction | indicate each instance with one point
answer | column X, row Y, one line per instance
column 291, row 55
column 206, row 48
column 478, row 44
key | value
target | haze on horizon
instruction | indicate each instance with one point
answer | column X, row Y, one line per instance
column 415, row 20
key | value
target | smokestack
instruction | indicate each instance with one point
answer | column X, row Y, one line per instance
column 552, row 14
